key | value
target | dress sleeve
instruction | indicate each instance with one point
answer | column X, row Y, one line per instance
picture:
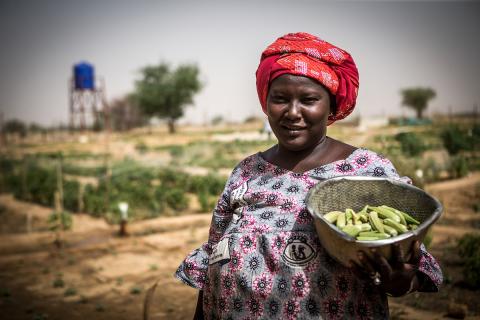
column 429, row 272
column 193, row 270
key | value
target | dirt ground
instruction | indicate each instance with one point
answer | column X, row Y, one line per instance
column 98, row 275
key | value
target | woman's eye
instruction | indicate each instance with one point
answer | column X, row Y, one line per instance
column 311, row 100
column 278, row 99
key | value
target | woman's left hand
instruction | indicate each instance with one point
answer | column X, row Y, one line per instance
column 397, row 276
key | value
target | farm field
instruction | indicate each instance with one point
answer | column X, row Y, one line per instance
column 96, row 274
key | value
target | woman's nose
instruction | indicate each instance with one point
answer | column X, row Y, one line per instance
column 293, row 109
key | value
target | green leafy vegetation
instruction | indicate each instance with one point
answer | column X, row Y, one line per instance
column 411, row 144
column 459, row 167
column 60, row 220
column 141, row 147
column 469, row 251
column 207, row 202
column 148, row 191
column 83, row 171
column 58, row 283
column 457, row 139
column 136, row 290
column 70, row 292
column 40, row 316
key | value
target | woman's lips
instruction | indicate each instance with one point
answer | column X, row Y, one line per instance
column 294, row 128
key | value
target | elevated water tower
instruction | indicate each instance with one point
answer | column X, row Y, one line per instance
column 86, row 95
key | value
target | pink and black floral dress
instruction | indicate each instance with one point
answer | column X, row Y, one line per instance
column 263, row 259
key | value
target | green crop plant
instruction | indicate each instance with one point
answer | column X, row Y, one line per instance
column 70, row 195
column 136, row 290
column 7, row 167
column 207, row 202
column 469, row 250
column 58, row 283
column 456, row 139
column 141, row 147
column 176, row 199
column 210, row 184
column 40, row 316
column 176, row 151
column 119, row 281
column 459, row 166
column 94, row 201
column 60, row 220
column 410, row 143
column 83, row 171
column 70, row 292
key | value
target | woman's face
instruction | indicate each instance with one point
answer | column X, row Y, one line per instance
column 298, row 109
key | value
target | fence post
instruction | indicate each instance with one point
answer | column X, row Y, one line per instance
column 59, row 202
column 60, row 179
column 81, row 190
column 24, row 178
column 59, row 227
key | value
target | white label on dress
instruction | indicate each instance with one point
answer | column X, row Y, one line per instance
column 220, row 252
column 236, row 197
column 237, row 200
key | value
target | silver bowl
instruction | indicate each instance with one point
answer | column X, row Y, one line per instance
column 355, row 192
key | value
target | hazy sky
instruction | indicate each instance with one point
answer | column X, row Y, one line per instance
column 395, row 45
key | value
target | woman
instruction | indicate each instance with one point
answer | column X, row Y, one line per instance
column 263, row 258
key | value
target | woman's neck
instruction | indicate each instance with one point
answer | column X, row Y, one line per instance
column 300, row 160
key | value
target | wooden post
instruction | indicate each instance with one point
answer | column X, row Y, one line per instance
column 60, row 179
column 25, row 194
column 81, row 190
column 106, row 115
column 107, row 185
column 59, row 203
column 123, row 206
column 59, row 226
column 24, row 178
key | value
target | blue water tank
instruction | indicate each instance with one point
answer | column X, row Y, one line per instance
column 84, row 75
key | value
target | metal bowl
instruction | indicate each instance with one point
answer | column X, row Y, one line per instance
column 355, row 192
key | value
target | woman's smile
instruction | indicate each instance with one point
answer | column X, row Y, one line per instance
column 294, row 129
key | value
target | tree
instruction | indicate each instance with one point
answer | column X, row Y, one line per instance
column 15, row 126
column 126, row 114
column 165, row 93
column 417, row 99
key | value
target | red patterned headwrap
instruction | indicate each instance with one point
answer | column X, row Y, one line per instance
column 306, row 55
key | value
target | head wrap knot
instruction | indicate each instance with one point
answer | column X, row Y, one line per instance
column 306, row 55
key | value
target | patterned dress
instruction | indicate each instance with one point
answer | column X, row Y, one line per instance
column 263, row 259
